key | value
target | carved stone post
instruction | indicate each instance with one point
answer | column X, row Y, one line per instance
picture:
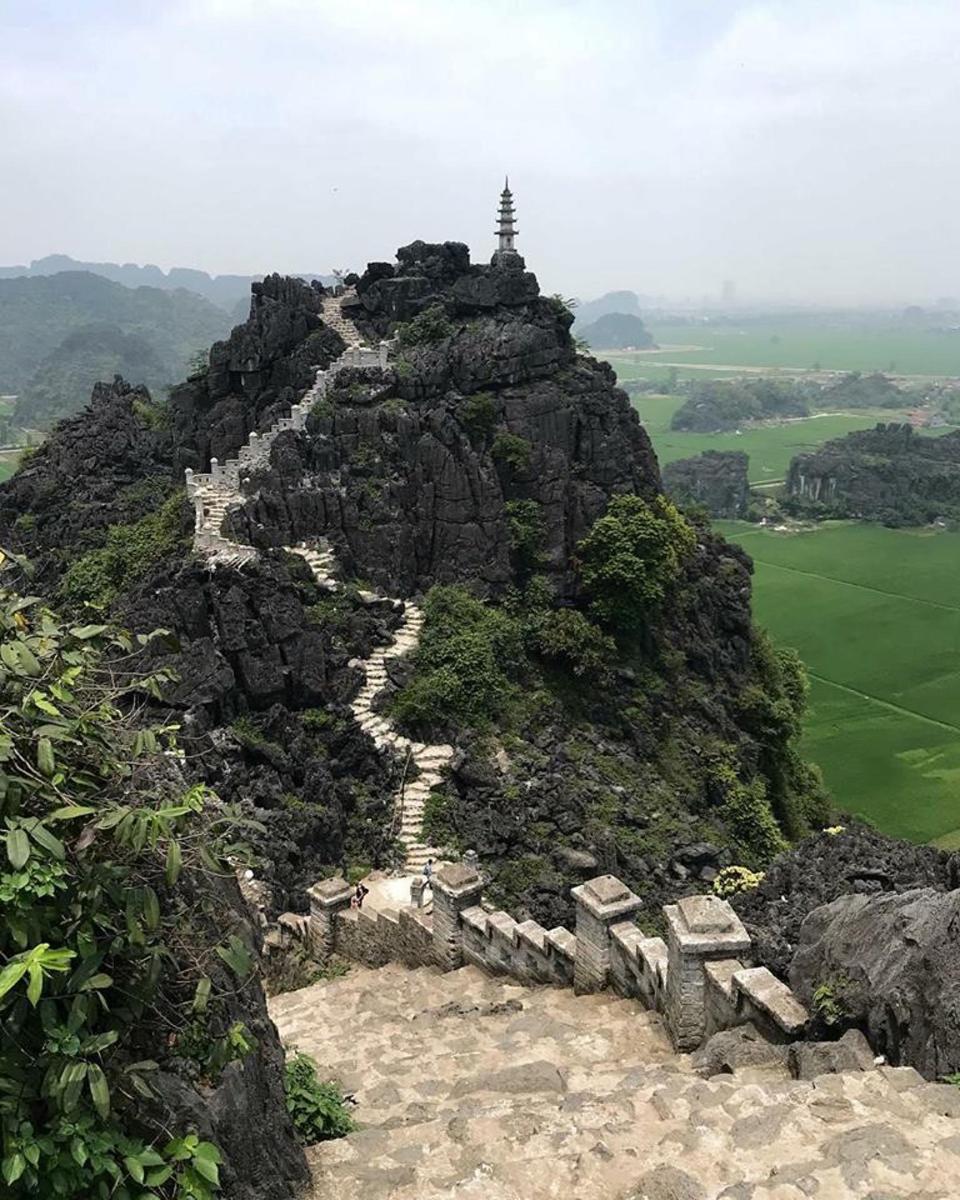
column 699, row 928
column 417, row 884
column 601, row 902
column 455, row 887
column 383, row 350
column 327, row 898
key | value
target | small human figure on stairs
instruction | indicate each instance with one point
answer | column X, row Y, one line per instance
column 428, row 875
column 358, row 896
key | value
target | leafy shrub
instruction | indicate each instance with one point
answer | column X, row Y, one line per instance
column 438, row 826
column 829, row 1001
column 771, row 709
column 322, row 408
column 567, row 636
column 631, row 556
column 94, row 968
column 465, row 662
column 512, row 450
column 746, row 812
column 155, row 414
column 526, row 530
column 432, row 325
column 318, row 1109
column 478, row 413
column 100, row 575
column 730, row 881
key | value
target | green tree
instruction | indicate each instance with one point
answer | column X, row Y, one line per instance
column 631, row 556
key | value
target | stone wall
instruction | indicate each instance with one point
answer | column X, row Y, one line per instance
column 701, row 978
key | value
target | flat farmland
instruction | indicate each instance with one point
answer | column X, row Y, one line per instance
column 875, row 614
column 797, row 345
column 770, row 447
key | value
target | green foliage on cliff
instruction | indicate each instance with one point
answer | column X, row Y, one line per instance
column 478, row 413
column 525, row 528
column 432, row 325
column 100, row 951
column 631, row 556
column 100, row 575
column 512, row 450
column 468, row 656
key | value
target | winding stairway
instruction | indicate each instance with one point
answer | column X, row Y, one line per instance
column 213, row 494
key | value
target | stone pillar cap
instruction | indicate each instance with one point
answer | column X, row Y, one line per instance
column 457, row 877
column 707, row 924
column 606, row 897
column 330, row 891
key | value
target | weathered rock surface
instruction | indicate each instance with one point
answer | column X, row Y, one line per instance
column 826, row 866
column 263, row 367
column 608, row 1111
column 263, row 690
column 105, row 466
column 716, row 479
column 893, row 966
column 409, row 496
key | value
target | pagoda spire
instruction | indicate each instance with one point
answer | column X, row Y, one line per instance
column 506, row 230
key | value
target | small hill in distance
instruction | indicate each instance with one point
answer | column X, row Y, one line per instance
column 226, row 291
column 588, row 311
column 889, row 474
column 617, row 331
column 60, row 334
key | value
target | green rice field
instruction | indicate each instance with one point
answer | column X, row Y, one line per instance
column 770, row 447
column 875, row 614
column 799, row 345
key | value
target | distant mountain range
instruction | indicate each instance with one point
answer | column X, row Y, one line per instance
column 226, row 291
column 61, row 333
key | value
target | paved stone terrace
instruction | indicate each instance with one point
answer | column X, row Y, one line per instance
column 469, row 1086
column 214, row 494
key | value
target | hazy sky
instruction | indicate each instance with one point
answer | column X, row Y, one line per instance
column 803, row 149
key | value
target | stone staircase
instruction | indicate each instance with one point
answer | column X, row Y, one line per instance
column 468, row 1085
column 334, row 318
column 214, row 492
column 429, row 760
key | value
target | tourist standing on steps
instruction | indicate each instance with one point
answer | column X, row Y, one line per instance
column 428, row 875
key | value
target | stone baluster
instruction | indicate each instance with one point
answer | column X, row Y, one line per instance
column 215, row 470
column 327, row 898
column 188, row 481
column 455, row 887
column 699, row 928
column 600, row 903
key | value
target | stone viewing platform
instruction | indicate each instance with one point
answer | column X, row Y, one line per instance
column 473, row 1079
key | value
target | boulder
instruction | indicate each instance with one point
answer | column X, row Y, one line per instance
column 892, row 964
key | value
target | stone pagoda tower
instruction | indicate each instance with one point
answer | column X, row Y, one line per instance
column 506, row 231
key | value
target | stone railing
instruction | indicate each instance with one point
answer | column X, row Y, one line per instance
column 701, row 978
column 255, row 453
